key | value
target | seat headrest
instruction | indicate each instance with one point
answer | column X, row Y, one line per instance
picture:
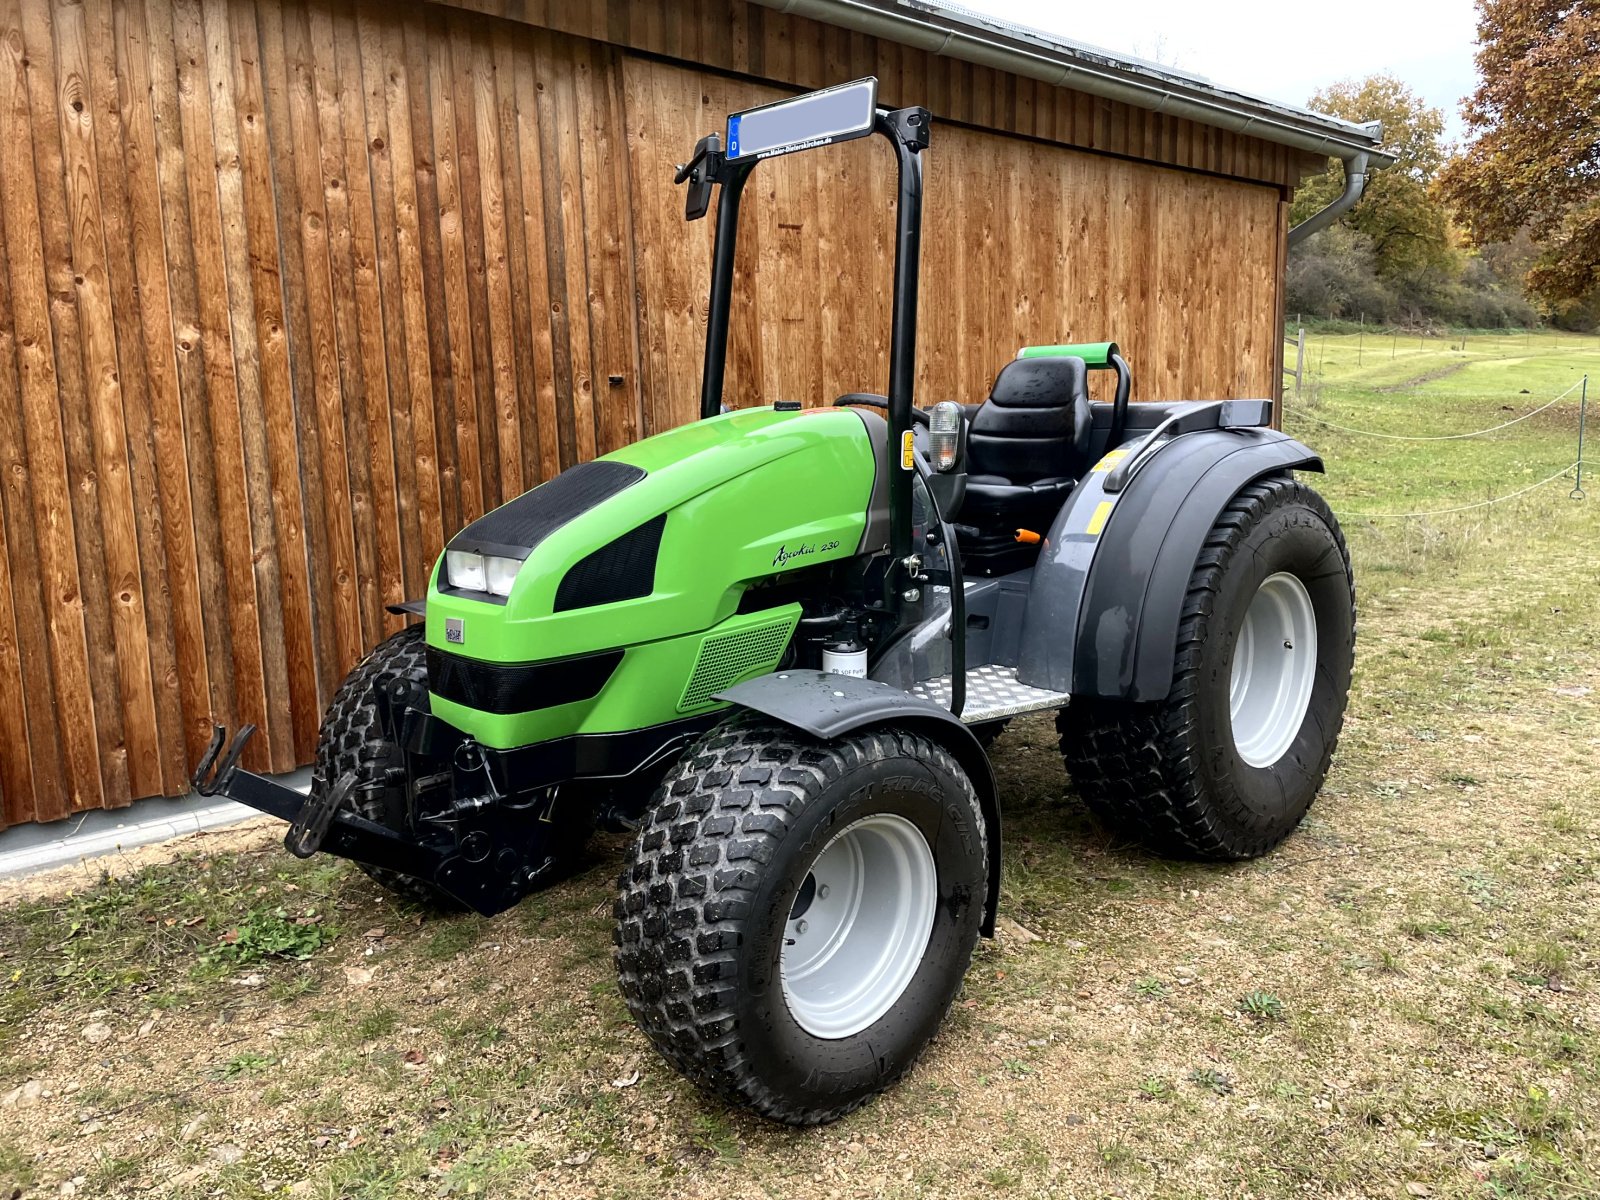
column 1041, row 383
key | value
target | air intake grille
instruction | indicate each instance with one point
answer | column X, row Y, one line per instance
column 518, row 687
column 729, row 658
column 624, row 569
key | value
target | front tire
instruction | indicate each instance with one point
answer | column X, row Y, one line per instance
column 797, row 915
column 1226, row 766
column 351, row 740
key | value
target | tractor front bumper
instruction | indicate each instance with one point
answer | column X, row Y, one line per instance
column 477, row 819
column 313, row 826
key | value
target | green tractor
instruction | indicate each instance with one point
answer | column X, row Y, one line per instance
column 777, row 642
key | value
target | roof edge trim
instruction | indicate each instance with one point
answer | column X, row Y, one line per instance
column 941, row 31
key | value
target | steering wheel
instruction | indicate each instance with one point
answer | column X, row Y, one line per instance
column 873, row 400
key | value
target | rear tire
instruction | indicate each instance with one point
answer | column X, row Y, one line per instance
column 714, row 954
column 1207, row 773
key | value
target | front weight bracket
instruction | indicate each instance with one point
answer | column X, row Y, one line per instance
column 311, row 824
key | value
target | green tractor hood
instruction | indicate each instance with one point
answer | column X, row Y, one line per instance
column 624, row 611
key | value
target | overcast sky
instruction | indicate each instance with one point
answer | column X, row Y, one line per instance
column 1270, row 49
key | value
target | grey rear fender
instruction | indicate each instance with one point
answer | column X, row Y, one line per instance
column 829, row 706
column 1109, row 587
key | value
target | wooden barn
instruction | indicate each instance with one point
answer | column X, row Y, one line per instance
column 291, row 289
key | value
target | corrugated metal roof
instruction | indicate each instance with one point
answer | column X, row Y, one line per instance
column 943, row 28
column 1167, row 75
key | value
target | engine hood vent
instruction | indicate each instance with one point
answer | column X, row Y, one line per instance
column 514, row 529
column 624, row 569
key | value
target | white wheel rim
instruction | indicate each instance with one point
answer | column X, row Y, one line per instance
column 859, row 926
column 1274, row 668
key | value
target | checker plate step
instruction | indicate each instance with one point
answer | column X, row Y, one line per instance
column 992, row 693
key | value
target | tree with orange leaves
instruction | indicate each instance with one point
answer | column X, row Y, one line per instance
column 1533, row 161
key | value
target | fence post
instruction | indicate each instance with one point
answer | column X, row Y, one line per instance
column 1583, row 412
column 1299, row 361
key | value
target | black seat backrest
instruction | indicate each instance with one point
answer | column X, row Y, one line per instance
column 1036, row 422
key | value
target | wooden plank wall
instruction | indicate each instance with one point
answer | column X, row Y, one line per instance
column 1023, row 242
column 738, row 37
column 289, row 292
column 291, row 289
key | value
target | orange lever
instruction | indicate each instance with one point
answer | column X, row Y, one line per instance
column 1028, row 537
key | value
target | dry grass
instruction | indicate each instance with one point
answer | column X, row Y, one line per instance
column 1402, row 1001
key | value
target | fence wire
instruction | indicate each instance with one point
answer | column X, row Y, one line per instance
column 1576, row 464
column 1436, row 512
column 1441, row 437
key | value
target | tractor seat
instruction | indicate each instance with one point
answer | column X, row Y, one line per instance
column 1028, row 443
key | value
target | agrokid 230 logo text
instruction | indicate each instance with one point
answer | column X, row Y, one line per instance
column 785, row 555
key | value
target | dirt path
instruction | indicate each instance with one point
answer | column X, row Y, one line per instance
column 1427, row 377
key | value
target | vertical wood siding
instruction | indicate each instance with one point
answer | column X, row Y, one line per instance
column 291, row 289
column 747, row 39
column 289, row 292
column 1022, row 242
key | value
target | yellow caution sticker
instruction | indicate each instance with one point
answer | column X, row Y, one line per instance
column 1111, row 459
column 1097, row 519
column 907, row 455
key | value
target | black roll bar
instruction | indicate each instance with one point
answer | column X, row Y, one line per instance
column 1119, row 407
column 722, row 288
column 907, row 130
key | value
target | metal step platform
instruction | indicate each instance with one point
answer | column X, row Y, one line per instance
column 993, row 694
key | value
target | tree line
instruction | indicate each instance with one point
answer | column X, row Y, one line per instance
column 1503, row 231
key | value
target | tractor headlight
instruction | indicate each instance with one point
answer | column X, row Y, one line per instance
column 469, row 571
column 465, row 570
column 944, row 434
column 501, row 573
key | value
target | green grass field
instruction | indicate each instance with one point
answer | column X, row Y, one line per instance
column 1428, row 388
column 1402, row 1001
column 1441, row 391
column 1433, row 388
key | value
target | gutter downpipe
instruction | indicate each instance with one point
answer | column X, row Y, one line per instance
column 908, row 27
column 1355, row 181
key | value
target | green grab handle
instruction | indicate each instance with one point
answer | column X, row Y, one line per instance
column 1094, row 354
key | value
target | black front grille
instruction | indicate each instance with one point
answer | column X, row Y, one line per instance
column 518, row 687
column 624, row 569
column 515, row 529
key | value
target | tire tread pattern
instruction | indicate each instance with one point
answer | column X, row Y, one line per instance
column 351, row 739
column 691, row 879
column 1138, row 766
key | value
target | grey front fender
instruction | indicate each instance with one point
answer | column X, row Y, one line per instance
column 829, row 706
column 1109, row 587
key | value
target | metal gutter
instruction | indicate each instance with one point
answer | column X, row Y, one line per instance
column 974, row 38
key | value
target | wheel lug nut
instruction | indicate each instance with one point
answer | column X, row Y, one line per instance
column 800, row 927
column 822, row 892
